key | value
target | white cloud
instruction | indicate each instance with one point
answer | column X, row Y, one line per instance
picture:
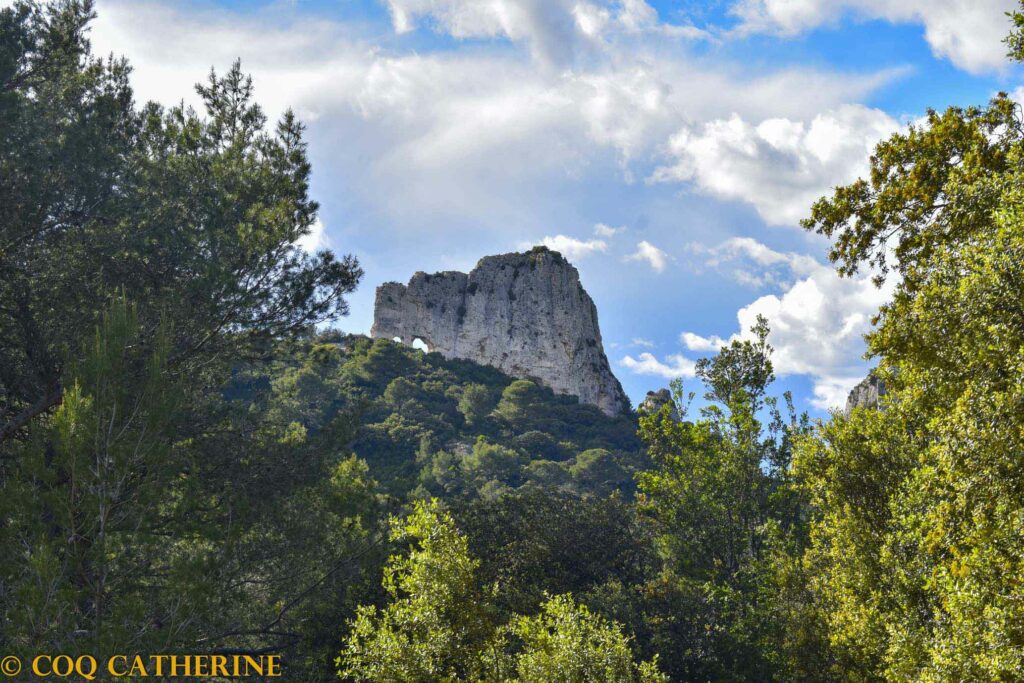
column 602, row 230
column 762, row 255
column 638, row 17
column 645, row 343
column 675, row 366
column 427, row 126
column 570, row 247
column 817, row 325
column 817, row 319
column 550, row 30
column 171, row 48
column 967, row 32
column 557, row 31
column 780, row 166
column 654, row 257
column 832, row 392
column 315, row 239
column 695, row 342
column 753, row 264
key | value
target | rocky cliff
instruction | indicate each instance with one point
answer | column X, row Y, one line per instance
column 866, row 394
column 654, row 402
column 525, row 314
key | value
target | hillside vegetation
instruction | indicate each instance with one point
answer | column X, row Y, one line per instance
column 428, row 426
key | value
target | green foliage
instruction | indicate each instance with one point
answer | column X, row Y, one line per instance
column 117, row 519
column 738, row 376
column 1015, row 40
column 441, row 625
column 85, row 501
column 916, row 536
column 436, row 623
column 598, row 470
column 475, row 403
column 566, row 642
column 522, row 402
column 192, row 217
column 491, row 462
column 930, row 186
column 717, row 481
column 142, row 506
column 721, row 498
column 187, row 465
column 542, row 541
column 538, row 444
column 432, row 425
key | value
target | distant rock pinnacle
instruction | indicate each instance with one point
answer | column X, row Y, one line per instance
column 525, row 314
column 867, row 394
column 654, row 402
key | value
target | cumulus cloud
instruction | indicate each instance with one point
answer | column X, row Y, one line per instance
column 675, row 365
column 780, row 165
column 817, row 319
column 817, row 325
column 695, row 342
column 650, row 254
column 316, row 239
column 427, row 125
column 967, row 32
column 645, row 343
column 570, row 247
column 753, row 264
column 308, row 64
column 555, row 30
column 737, row 247
column 603, row 230
column 548, row 26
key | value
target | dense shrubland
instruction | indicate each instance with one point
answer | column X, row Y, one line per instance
column 428, row 426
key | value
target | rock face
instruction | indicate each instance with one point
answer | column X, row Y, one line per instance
column 866, row 394
column 525, row 314
column 655, row 400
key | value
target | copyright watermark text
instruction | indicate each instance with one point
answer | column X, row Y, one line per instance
column 91, row 668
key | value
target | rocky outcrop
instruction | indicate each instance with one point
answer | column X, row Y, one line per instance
column 866, row 394
column 655, row 400
column 525, row 314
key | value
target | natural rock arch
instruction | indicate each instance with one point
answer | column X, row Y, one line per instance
column 526, row 314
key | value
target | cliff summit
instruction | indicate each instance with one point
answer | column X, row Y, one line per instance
column 524, row 313
column 867, row 394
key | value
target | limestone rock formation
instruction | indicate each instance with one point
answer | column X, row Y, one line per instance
column 655, row 400
column 866, row 394
column 526, row 314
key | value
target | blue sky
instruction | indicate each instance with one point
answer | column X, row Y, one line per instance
column 668, row 148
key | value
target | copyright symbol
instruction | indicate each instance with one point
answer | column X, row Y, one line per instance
column 10, row 666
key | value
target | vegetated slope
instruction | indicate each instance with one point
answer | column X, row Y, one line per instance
column 434, row 426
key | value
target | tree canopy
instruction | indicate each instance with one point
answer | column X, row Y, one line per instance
column 194, row 217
